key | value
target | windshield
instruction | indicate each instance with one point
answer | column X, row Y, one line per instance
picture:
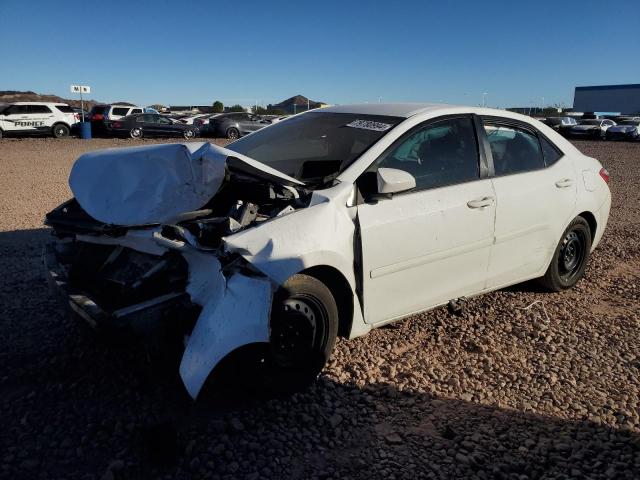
column 315, row 145
column 590, row 122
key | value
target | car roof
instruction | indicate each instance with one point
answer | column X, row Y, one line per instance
column 407, row 110
column 37, row 103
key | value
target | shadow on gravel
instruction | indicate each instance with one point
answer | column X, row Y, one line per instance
column 74, row 407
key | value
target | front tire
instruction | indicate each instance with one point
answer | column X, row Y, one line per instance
column 136, row 132
column 233, row 133
column 304, row 327
column 189, row 134
column 570, row 258
column 60, row 131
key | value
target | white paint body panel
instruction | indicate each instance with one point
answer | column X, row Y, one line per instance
column 421, row 249
column 532, row 212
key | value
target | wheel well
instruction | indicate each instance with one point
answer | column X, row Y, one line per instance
column 60, row 123
column 339, row 286
column 591, row 220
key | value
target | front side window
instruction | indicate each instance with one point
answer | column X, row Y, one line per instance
column 513, row 149
column 442, row 153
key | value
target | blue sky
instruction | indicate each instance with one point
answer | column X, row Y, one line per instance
column 193, row 52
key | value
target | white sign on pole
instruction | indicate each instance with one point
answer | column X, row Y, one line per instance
column 80, row 89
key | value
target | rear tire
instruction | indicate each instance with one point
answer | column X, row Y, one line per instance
column 233, row 133
column 189, row 134
column 60, row 131
column 136, row 132
column 570, row 258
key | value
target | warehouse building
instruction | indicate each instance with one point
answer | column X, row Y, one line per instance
column 624, row 99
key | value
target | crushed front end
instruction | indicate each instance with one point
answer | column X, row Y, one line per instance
column 175, row 275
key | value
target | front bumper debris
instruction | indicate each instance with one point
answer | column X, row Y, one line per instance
column 140, row 318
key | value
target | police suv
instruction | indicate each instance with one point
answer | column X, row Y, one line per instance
column 29, row 118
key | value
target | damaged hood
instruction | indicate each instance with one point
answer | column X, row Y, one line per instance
column 156, row 183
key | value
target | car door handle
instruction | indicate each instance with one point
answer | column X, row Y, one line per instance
column 480, row 202
column 564, row 183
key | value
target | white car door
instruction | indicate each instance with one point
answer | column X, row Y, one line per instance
column 535, row 189
column 424, row 247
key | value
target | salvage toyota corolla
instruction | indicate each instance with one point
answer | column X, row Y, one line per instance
column 329, row 223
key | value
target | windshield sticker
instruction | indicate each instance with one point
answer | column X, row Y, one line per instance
column 369, row 125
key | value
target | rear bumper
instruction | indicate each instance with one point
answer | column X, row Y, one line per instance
column 140, row 319
column 602, row 217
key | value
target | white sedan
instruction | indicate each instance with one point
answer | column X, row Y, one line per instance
column 330, row 224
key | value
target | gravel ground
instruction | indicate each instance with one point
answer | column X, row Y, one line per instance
column 523, row 384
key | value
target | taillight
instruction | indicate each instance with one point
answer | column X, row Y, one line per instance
column 116, row 124
column 604, row 173
column 97, row 116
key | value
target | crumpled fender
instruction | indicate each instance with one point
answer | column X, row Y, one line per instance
column 321, row 234
column 237, row 317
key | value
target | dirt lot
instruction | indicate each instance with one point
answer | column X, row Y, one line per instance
column 510, row 389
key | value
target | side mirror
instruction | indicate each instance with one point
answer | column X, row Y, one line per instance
column 393, row 180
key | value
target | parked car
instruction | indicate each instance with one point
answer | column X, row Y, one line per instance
column 101, row 115
column 36, row 118
column 235, row 125
column 562, row 125
column 150, row 125
column 591, row 128
column 624, row 130
column 195, row 119
column 333, row 222
column 81, row 113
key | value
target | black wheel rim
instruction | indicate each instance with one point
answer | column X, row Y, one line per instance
column 297, row 330
column 233, row 134
column 572, row 254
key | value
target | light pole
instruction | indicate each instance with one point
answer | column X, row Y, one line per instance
column 484, row 96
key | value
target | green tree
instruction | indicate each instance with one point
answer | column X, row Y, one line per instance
column 236, row 108
column 218, row 107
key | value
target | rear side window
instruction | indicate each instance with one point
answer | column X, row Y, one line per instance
column 513, row 149
column 441, row 153
column 549, row 151
column 38, row 109
column 120, row 111
column 64, row 108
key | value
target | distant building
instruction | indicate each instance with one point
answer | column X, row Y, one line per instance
column 608, row 98
column 296, row 104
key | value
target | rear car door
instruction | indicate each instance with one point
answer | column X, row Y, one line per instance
column 535, row 186
column 424, row 247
